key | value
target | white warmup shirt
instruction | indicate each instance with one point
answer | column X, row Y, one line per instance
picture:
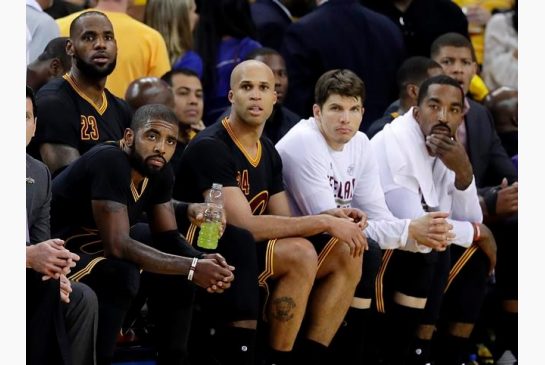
column 318, row 178
column 410, row 175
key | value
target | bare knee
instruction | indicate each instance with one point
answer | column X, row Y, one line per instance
column 340, row 262
column 295, row 256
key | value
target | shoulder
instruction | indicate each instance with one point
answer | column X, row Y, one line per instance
column 36, row 168
column 53, row 88
column 106, row 154
column 119, row 103
column 476, row 108
column 211, row 140
column 304, row 138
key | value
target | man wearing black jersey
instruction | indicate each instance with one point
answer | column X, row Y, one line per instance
column 76, row 112
column 299, row 263
column 96, row 202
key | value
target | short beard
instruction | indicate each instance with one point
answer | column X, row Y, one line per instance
column 91, row 71
column 139, row 164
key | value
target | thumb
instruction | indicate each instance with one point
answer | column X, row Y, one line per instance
column 439, row 214
column 504, row 183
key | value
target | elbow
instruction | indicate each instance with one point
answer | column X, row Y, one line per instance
column 114, row 248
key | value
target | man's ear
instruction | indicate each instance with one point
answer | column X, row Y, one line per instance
column 317, row 112
column 55, row 68
column 230, row 96
column 412, row 91
column 416, row 112
column 69, row 48
column 128, row 137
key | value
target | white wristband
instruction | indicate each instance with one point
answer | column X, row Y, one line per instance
column 192, row 269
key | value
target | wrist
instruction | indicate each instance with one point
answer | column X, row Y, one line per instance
column 490, row 198
column 192, row 268
column 476, row 231
column 28, row 260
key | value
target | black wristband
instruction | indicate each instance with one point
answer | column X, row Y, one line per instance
column 490, row 198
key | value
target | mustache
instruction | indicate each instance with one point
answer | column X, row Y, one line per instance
column 442, row 125
column 157, row 156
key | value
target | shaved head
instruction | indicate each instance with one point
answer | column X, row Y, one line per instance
column 149, row 90
column 252, row 94
column 244, row 67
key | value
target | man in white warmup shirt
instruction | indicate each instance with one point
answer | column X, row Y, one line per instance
column 328, row 163
column 424, row 167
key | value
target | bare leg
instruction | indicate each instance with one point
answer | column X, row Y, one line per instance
column 295, row 265
column 333, row 292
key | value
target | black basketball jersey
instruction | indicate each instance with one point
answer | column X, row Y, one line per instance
column 103, row 173
column 67, row 116
column 216, row 156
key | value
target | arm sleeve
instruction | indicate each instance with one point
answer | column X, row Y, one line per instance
column 305, row 176
column 465, row 204
column 406, row 203
column 40, row 230
column 387, row 230
column 57, row 121
column 110, row 173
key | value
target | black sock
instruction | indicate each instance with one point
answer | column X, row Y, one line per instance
column 451, row 350
column 348, row 345
column 507, row 334
column 309, row 352
column 275, row 357
column 402, row 323
column 420, row 352
column 236, row 346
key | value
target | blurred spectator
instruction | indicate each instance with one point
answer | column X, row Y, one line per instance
column 412, row 73
column 60, row 8
column 500, row 66
column 478, row 13
column 271, row 18
column 41, row 28
column 225, row 34
column 53, row 62
column 343, row 34
column 503, row 104
column 176, row 20
column 421, row 21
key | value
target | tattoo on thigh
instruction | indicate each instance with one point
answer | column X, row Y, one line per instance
column 282, row 309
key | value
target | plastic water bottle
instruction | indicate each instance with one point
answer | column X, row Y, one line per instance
column 210, row 228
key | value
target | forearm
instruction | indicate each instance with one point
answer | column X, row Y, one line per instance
column 150, row 259
column 389, row 234
column 464, row 177
column 466, row 205
column 266, row 227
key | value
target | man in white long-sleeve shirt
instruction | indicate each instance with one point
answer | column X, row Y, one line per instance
column 424, row 167
column 327, row 164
